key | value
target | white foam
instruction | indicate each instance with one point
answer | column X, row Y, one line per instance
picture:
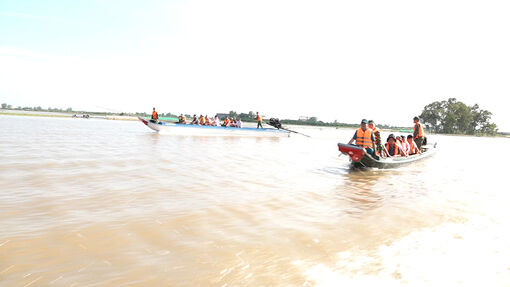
column 472, row 253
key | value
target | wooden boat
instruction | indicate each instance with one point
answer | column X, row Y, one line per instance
column 197, row 130
column 360, row 158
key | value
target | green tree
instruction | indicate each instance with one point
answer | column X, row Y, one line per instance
column 455, row 117
column 4, row 106
column 432, row 116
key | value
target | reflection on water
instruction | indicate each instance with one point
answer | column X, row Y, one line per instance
column 112, row 203
column 360, row 190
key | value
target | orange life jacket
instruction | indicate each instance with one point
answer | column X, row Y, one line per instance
column 396, row 150
column 413, row 148
column 364, row 138
column 375, row 129
column 420, row 130
column 227, row 122
column 202, row 120
column 207, row 122
column 154, row 115
column 259, row 118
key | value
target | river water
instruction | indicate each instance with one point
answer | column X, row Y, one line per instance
column 112, row 203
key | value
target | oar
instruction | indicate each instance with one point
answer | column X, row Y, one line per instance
column 282, row 128
column 294, row 132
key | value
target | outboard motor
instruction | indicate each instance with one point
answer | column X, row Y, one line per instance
column 275, row 123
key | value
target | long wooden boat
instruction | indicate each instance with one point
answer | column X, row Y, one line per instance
column 360, row 158
column 198, row 130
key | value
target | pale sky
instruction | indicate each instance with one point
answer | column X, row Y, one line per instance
column 343, row 60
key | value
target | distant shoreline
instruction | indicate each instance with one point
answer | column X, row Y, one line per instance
column 96, row 115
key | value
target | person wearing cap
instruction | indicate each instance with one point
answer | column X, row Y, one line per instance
column 418, row 133
column 377, row 135
column 364, row 138
column 392, row 147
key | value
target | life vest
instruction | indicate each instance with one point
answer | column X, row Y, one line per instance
column 420, row 130
column 207, row 122
column 227, row 122
column 259, row 118
column 412, row 147
column 202, row 120
column 154, row 115
column 396, row 149
column 405, row 146
column 375, row 129
column 364, row 138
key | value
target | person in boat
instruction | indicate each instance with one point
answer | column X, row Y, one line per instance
column 201, row 120
column 239, row 123
column 413, row 148
column 259, row 120
column 207, row 121
column 194, row 121
column 155, row 116
column 364, row 138
column 216, row 121
column 405, row 145
column 392, row 147
column 400, row 143
column 377, row 135
column 182, row 120
column 418, row 133
column 226, row 122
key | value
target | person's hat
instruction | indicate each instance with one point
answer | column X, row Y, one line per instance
column 370, row 121
column 364, row 121
column 391, row 136
column 416, row 118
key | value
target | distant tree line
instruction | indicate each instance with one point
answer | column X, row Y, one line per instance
column 455, row 117
column 70, row 110
column 38, row 109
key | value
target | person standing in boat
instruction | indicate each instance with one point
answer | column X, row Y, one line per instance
column 418, row 133
column 155, row 116
column 377, row 135
column 364, row 138
column 259, row 121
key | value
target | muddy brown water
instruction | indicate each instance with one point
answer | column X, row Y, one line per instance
column 111, row 203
